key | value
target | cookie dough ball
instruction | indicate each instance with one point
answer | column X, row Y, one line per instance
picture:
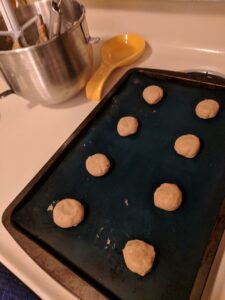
column 152, row 94
column 127, row 126
column 139, row 256
column 207, row 109
column 97, row 164
column 168, row 197
column 68, row 213
column 187, row 145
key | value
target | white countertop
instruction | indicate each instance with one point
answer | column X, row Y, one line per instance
column 180, row 37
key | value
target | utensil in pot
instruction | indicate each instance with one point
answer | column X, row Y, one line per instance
column 116, row 52
column 55, row 19
column 53, row 71
column 15, row 31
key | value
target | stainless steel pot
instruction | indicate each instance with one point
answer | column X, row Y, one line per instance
column 56, row 70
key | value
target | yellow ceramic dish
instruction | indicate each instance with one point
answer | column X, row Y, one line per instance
column 116, row 52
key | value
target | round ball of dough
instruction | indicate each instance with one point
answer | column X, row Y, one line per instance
column 139, row 256
column 152, row 94
column 68, row 213
column 207, row 109
column 97, row 164
column 127, row 126
column 187, row 145
column 168, row 196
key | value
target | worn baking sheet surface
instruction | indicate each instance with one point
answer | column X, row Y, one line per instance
column 119, row 206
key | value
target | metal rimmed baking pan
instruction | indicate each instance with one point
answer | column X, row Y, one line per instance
column 119, row 206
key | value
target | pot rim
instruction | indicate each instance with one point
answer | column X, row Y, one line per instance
column 32, row 47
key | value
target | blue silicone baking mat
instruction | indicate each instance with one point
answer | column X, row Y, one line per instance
column 119, row 206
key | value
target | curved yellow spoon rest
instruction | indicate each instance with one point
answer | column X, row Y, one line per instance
column 116, row 52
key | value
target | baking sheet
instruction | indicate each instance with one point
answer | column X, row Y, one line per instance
column 119, row 206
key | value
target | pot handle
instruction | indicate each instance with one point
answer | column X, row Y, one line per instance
column 84, row 29
column 7, row 92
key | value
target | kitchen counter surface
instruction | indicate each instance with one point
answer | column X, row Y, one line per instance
column 179, row 37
